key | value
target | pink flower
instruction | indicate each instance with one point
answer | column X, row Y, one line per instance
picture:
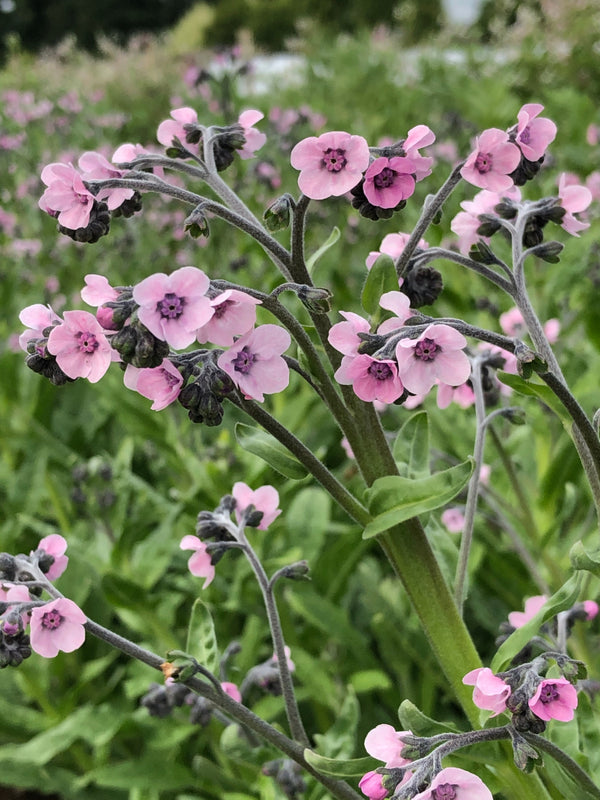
column 288, row 658
column 453, row 783
column 574, row 199
column 330, row 164
column 80, row 346
column 96, row 167
column 592, row 182
column 371, row 378
column 466, row 223
column 160, row 384
column 491, row 162
column 37, row 318
column 55, row 546
column 97, row 290
column 436, row 355
column 344, row 335
column 255, row 362
column 234, row 314
column 174, row 306
column 232, row 690
column 462, row 395
column 371, row 785
column 200, row 563
column 175, row 128
column 128, row 152
column 554, row 698
column 66, row 196
column 399, row 303
column 385, row 743
column 532, row 605
column 392, row 245
column 388, row 181
column 592, row 134
column 254, row 139
column 534, row 134
column 264, row 499
column 490, row 692
column 591, row 609
column 57, row 625
column 419, row 136
column 454, row 520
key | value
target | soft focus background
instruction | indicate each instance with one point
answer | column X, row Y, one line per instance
column 123, row 484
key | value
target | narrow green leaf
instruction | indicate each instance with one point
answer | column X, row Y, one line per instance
column 381, row 278
column 411, row 447
column 394, row 499
column 265, row 446
column 341, row 767
column 201, row 639
column 414, row 720
column 338, row 741
column 583, row 559
column 564, row 598
column 531, row 388
column 332, row 239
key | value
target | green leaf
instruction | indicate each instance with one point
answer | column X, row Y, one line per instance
column 341, row 767
column 368, row 680
column 147, row 772
column 394, row 499
column 583, row 559
column 338, row 741
column 201, row 639
column 381, row 278
column 539, row 390
column 265, row 446
column 564, row 598
column 308, row 518
column 333, row 237
column 414, row 720
column 411, row 447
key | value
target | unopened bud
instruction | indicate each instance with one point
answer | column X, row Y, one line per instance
column 196, row 224
column 515, row 415
column 528, row 361
column 548, row 251
column 315, row 299
column 278, row 214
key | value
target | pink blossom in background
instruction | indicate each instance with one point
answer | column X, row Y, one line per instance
column 347, row 449
column 462, row 395
column 344, row 335
column 574, row 199
column 37, row 318
column 385, row 743
column 160, row 384
column 592, row 182
column 453, row 519
column 591, row 609
column 512, row 323
column 399, row 304
column 174, row 128
column 232, row 690
column 491, row 161
column 128, row 152
column 254, row 138
column 330, row 164
column 534, row 133
column 490, row 692
column 532, row 605
column 371, row 785
column 554, row 698
column 57, row 625
column 288, row 658
column 255, row 362
column 80, row 346
column 97, row 290
column 466, row 222
column 66, row 196
column 419, row 136
column 453, row 783
column 8, row 222
column 55, row 545
column 199, row 564
column 436, row 355
column 592, row 134
column 392, row 245
column 388, row 181
column 484, row 474
column 264, row 499
column 14, row 594
column 234, row 314
column 371, row 378
column 94, row 167
column 174, row 306
column 27, row 248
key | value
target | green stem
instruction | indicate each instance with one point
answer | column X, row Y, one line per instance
column 572, row 767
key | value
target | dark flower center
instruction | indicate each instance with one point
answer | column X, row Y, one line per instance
column 334, row 159
column 427, row 349
column 380, row 371
column 87, row 342
column 51, row 620
column 549, row 693
column 170, row 306
column 385, row 179
column 484, row 162
column 243, row 361
column 525, row 135
column 445, row 791
column 222, row 308
column 170, row 379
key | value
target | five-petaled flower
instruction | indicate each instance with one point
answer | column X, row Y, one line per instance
column 371, row 378
column 436, row 355
column 55, row 545
column 66, row 196
column 330, row 164
column 57, row 625
column 179, row 127
column 234, row 314
column 388, row 181
column 174, row 306
column 492, row 161
column 254, row 138
column 453, row 783
column 80, row 346
column 255, row 363
column 534, row 133
column 489, row 692
column 160, row 384
column 554, row 698
column 264, row 499
column 574, row 198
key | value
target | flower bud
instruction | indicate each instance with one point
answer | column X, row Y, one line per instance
column 8, row 567
column 315, row 299
column 423, row 286
column 278, row 214
column 196, row 224
column 97, row 226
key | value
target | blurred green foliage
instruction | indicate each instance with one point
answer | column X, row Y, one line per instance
column 123, row 484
